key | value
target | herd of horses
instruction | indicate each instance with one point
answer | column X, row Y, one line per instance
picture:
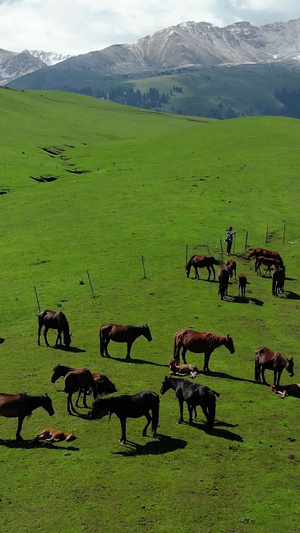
column 226, row 271
column 146, row 403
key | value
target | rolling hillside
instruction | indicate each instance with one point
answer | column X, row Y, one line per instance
column 88, row 185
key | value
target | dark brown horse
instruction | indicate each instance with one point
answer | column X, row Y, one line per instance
column 126, row 406
column 223, row 275
column 128, row 334
column 242, row 280
column 193, row 394
column 266, row 261
column 232, row 268
column 77, row 380
column 287, row 390
column 102, row 383
column 202, row 261
column 257, row 252
column 278, row 281
column 22, row 405
column 187, row 339
column 54, row 320
column 266, row 359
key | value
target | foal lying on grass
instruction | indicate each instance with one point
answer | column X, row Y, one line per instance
column 287, row 390
column 183, row 370
column 54, row 435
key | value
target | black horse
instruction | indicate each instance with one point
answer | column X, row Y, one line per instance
column 193, row 394
column 126, row 406
column 54, row 320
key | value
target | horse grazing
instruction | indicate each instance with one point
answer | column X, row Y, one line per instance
column 187, row 339
column 287, row 390
column 232, row 268
column 193, row 394
column 54, row 435
column 266, row 359
column 21, row 405
column 258, row 252
column 201, row 261
column 102, row 383
column 278, row 281
column 128, row 334
column 266, row 261
column 183, row 370
column 223, row 275
column 76, row 380
column 126, row 406
column 242, row 280
column 54, row 320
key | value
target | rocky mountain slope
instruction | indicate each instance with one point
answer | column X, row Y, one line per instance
column 13, row 65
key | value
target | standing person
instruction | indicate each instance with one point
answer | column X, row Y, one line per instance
column 229, row 239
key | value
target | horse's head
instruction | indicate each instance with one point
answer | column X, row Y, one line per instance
column 172, row 363
column 229, row 344
column 99, row 409
column 290, row 366
column 67, row 339
column 165, row 385
column 70, row 437
column 187, row 270
column 273, row 388
column 147, row 333
column 57, row 373
column 215, row 261
column 47, row 404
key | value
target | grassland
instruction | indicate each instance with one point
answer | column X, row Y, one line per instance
column 152, row 185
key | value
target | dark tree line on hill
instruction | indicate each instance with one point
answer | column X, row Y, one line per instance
column 127, row 96
column 291, row 102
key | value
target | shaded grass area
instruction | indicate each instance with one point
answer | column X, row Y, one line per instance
column 155, row 184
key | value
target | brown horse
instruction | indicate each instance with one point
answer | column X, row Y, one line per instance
column 223, row 275
column 183, row 370
column 287, row 390
column 242, row 285
column 278, row 281
column 128, row 334
column 21, row 405
column 202, row 261
column 126, row 406
column 77, row 380
column 266, row 359
column 232, row 268
column 266, row 261
column 102, row 383
column 54, row 435
column 257, row 252
column 54, row 320
column 187, row 339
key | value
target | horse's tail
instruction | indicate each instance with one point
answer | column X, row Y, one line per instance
column 211, row 408
column 274, row 282
column 155, row 415
column 256, row 370
column 176, row 349
column 101, row 342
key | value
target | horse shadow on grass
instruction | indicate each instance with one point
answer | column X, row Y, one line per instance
column 291, row 295
column 30, row 444
column 244, row 300
column 217, row 431
column 164, row 444
column 136, row 361
column 226, row 376
column 72, row 349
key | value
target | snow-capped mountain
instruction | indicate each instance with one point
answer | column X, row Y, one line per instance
column 13, row 65
column 199, row 44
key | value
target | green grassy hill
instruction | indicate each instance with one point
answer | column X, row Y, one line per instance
column 131, row 183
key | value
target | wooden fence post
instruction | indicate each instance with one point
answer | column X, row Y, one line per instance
column 246, row 240
column 143, row 263
column 37, row 298
column 91, row 286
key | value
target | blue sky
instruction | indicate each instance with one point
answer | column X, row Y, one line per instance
column 80, row 26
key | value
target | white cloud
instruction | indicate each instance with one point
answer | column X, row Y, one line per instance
column 80, row 26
